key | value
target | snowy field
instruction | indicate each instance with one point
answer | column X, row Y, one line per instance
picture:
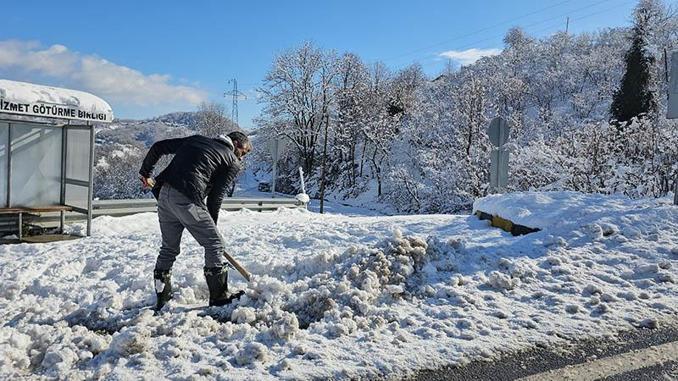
column 337, row 296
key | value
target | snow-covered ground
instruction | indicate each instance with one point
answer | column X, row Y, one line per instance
column 364, row 205
column 337, row 296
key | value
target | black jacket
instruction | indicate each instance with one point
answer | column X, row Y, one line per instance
column 201, row 167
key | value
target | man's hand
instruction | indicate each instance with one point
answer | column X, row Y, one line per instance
column 147, row 182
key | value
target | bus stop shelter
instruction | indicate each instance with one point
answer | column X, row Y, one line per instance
column 47, row 151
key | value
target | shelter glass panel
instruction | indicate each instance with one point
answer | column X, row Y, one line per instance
column 4, row 139
column 77, row 154
column 76, row 196
column 35, row 165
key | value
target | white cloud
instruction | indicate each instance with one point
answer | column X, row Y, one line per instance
column 469, row 56
column 113, row 82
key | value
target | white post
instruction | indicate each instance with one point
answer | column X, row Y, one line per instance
column 301, row 176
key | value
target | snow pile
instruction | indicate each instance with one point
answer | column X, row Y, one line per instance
column 252, row 352
column 130, row 341
column 544, row 209
column 338, row 297
column 333, row 302
column 303, row 198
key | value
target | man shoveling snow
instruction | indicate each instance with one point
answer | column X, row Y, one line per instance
column 202, row 168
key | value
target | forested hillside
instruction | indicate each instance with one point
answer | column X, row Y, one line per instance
column 419, row 144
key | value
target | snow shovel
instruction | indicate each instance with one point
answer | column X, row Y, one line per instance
column 245, row 274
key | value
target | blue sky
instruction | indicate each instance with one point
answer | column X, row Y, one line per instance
column 150, row 57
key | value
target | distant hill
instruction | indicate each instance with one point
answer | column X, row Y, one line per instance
column 179, row 119
column 122, row 145
column 147, row 131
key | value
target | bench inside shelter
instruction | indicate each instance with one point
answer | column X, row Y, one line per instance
column 17, row 216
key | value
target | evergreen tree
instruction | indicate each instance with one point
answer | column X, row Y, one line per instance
column 634, row 96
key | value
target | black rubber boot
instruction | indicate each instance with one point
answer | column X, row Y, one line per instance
column 217, row 282
column 163, row 287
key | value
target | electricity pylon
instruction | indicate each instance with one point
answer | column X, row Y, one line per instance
column 235, row 95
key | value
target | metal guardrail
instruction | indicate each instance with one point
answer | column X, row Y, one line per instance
column 131, row 206
column 126, row 207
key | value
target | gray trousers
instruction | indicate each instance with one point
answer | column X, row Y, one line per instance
column 176, row 212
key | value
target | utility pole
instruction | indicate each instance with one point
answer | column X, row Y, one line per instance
column 235, row 95
column 567, row 24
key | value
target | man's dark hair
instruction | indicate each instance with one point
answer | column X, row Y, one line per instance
column 239, row 137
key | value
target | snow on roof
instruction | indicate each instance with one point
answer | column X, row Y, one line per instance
column 28, row 99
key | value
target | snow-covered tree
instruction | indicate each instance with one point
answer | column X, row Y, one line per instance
column 211, row 120
column 297, row 95
column 635, row 96
column 420, row 145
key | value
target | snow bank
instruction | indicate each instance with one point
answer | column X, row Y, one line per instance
column 337, row 297
column 544, row 209
column 303, row 198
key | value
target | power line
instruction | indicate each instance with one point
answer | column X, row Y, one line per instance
column 560, row 17
column 582, row 17
column 552, row 26
column 602, row 11
column 477, row 31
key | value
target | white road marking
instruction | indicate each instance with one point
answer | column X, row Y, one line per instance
column 613, row 365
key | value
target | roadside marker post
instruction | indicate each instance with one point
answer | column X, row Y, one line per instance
column 672, row 109
column 498, row 132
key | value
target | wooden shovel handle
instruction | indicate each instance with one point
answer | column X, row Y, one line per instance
column 237, row 266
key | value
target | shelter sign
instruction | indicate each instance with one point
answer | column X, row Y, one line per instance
column 51, row 111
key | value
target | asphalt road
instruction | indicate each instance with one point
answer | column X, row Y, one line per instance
column 550, row 364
